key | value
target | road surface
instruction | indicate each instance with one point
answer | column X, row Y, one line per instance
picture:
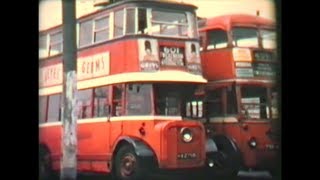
column 242, row 175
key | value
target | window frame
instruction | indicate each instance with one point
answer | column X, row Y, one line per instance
column 151, row 22
column 235, row 44
column 208, row 39
column 107, row 102
column 55, row 42
column 90, row 106
column 59, row 107
column 95, row 31
column 135, row 31
column 45, row 110
column 123, row 22
column 92, row 33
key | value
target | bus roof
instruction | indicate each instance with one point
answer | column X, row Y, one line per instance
column 225, row 22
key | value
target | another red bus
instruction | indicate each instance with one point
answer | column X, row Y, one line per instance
column 138, row 67
column 238, row 54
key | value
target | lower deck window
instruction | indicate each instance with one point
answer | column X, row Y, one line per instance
column 138, row 99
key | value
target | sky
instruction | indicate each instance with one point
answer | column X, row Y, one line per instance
column 50, row 11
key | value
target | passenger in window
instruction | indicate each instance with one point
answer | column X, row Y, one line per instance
column 193, row 58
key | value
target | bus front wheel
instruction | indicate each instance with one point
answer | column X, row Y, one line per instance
column 127, row 164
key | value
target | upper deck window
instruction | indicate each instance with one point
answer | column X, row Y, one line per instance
column 101, row 29
column 217, row 39
column 268, row 39
column 55, row 43
column 169, row 23
column 245, row 37
column 118, row 23
column 43, row 46
column 131, row 21
column 142, row 20
column 85, row 33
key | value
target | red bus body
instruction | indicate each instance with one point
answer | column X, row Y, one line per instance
column 238, row 57
column 120, row 92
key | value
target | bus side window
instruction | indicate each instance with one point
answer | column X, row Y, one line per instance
column 138, row 99
column 54, row 108
column 84, row 104
column 217, row 39
column 117, row 100
column 202, row 41
column 231, row 100
column 194, row 109
column 142, row 21
column 214, row 103
column 101, row 102
column 43, row 105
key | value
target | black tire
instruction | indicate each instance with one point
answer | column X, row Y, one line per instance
column 227, row 160
column 275, row 173
column 45, row 169
column 128, row 165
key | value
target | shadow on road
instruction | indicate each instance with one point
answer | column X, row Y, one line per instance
column 241, row 176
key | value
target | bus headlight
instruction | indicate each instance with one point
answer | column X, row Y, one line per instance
column 252, row 142
column 186, row 134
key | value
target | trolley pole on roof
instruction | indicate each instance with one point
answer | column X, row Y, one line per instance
column 69, row 117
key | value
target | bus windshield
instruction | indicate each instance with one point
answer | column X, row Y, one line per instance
column 171, row 23
column 268, row 39
column 245, row 37
column 170, row 99
column 254, row 102
column 248, row 37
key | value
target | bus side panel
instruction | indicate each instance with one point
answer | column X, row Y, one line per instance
column 232, row 130
column 123, row 55
column 259, row 156
column 131, row 56
column 93, row 146
column 51, row 137
column 151, row 135
column 218, row 64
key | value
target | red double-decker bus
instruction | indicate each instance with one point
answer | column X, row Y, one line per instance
column 238, row 54
column 138, row 67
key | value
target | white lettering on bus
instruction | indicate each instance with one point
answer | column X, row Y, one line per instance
column 93, row 66
column 51, row 75
column 88, row 67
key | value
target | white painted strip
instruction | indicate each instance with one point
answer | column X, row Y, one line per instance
column 57, row 123
column 159, row 76
column 223, row 120
column 146, row 118
column 120, row 118
column 79, row 121
column 257, row 121
column 243, row 80
column 50, row 90
column 92, row 120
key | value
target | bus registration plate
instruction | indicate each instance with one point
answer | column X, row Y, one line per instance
column 185, row 156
